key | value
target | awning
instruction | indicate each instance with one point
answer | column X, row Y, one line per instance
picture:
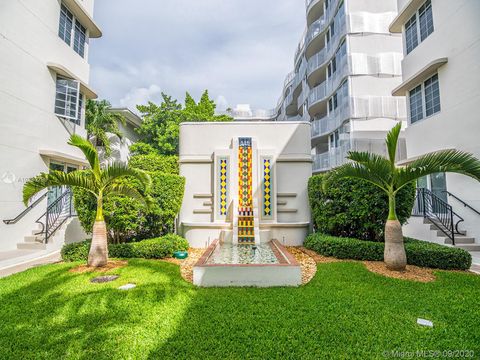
column 129, row 115
column 82, row 15
column 63, row 157
column 63, row 71
column 404, row 15
column 420, row 76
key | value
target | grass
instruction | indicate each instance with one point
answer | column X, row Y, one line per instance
column 344, row 312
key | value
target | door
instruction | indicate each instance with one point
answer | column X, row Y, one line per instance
column 55, row 191
column 437, row 184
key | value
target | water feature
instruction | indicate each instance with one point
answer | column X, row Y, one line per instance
column 228, row 253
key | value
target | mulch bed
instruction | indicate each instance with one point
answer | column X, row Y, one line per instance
column 114, row 264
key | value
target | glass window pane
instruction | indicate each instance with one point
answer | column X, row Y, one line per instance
column 425, row 18
column 411, row 35
column 65, row 25
column 432, row 96
column 66, row 100
column 416, row 104
column 79, row 39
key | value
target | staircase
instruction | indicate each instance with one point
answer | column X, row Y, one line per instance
column 53, row 221
column 462, row 241
column 441, row 219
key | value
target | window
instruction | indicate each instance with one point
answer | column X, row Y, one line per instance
column 419, row 26
column 78, row 120
column 71, row 31
column 79, row 39
column 427, row 93
column 425, row 18
column 66, row 25
column 416, row 105
column 432, row 96
column 67, row 98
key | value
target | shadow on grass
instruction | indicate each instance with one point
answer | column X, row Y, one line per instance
column 345, row 312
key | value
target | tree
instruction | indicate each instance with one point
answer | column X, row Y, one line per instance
column 101, row 183
column 161, row 123
column 383, row 173
column 100, row 121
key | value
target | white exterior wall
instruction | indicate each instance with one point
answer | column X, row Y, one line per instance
column 456, row 36
column 28, row 42
column 287, row 143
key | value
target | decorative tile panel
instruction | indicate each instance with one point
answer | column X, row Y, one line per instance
column 267, row 187
column 223, row 184
column 245, row 203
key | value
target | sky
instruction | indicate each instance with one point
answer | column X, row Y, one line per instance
column 240, row 50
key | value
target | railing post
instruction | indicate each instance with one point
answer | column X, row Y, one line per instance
column 453, row 231
column 46, row 226
column 423, row 203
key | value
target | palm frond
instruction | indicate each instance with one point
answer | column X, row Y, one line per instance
column 354, row 170
column 455, row 161
column 118, row 170
column 80, row 178
column 378, row 166
column 88, row 150
column 125, row 190
column 392, row 141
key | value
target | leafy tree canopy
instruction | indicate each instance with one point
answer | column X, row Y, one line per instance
column 161, row 123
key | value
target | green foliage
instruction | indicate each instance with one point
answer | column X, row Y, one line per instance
column 157, row 248
column 99, row 120
column 355, row 208
column 75, row 251
column 345, row 312
column 141, row 148
column 128, row 218
column 161, row 123
column 167, row 164
column 419, row 253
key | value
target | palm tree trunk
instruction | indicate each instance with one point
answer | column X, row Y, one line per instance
column 394, row 254
column 98, row 254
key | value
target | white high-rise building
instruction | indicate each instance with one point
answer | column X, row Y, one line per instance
column 441, row 79
column 44, row 76
column 345, row 68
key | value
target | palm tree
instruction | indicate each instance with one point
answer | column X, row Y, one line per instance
column 383, row 173
column 102, row 183
column 99, row 120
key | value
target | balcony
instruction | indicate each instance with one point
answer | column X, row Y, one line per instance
column 331, row 122
column 337, row 156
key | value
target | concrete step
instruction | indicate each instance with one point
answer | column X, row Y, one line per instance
column 33, row 238
column 468, row 247
column 31, row 246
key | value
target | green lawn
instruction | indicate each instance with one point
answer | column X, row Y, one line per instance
column 344, row 312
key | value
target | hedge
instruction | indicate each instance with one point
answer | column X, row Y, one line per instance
column 419, row 253
column 167, row 164
column 157, row 248
column 355, row 208
column 127, row 219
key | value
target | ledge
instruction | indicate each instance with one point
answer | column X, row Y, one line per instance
column 207, row 225
column 195, row 159
column 85, row 19
column 63, row 71
column 421, row 75
column 295, row 158
column 284, row 225
column 404, row 15
column 63, row 157
column 201, row 196
column 128, row 114
column 286, row 195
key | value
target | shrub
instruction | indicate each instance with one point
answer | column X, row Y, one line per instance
column 419, row 253
column 355, row 208
column 157, row 248
column 167, row 164
column 128, row 219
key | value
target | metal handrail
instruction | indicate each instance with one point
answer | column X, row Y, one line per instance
column 463, row 202
column 26, row 211
column 440, row 213
column 55, row 215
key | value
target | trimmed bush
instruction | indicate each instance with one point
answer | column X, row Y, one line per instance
column 128, row 219
column 419, row 253
column 167, row 164
column 157, row 248
column 355, row 208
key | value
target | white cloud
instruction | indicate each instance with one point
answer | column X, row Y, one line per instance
column 140, row 96
column 238, row 49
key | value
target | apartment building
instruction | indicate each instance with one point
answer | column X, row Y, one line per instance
column 345, row 68
column 44, row 75
column 441, row 80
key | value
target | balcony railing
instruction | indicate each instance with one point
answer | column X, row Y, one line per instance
column 332, row 121
column 337, row 156
column 317, row 94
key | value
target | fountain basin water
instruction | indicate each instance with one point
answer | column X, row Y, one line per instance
column 261, row 265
